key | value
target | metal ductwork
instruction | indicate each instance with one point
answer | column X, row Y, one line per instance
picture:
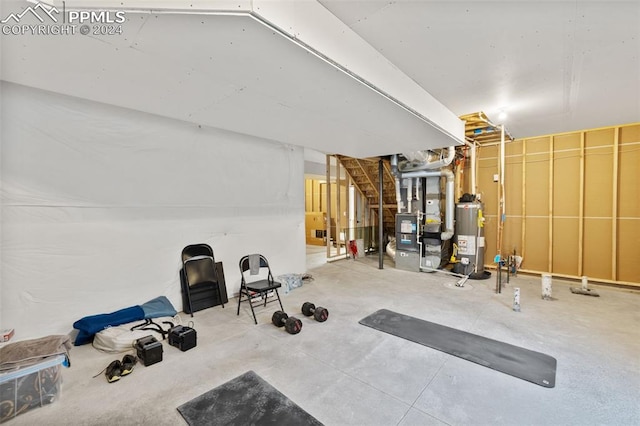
column 449, row 196
column 423, row 173
column 425, row 160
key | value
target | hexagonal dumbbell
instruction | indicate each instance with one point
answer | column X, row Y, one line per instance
column 292, row 324
column 320, row 314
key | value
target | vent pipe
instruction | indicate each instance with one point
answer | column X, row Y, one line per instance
column 421, row 160
column 426, row 170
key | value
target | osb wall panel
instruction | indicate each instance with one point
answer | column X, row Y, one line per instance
column 598, row 182
column 537, row 145
column 315, row 201
column 323, row 197
column 512, row 236
column 599, row 137
column 566, row 142
column 513, row 148
column 312, row 195
column 597, row 248
column 630, row 134
column 536, row 244
column 513, row 185
column 566, row 183
column 609, row 249
column 565, row 246
column 537, row 183
column 629, row 184
column 488, row 189
column 628, row 249
column 490, row 229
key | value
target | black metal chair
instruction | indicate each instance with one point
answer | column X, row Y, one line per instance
column 199, row 277
column 259, row 291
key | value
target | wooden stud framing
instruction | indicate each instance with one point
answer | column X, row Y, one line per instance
column 584, row 144
column 559, row 275
column 338, row 206
column 524, row 196
column 614, row 207
column 328, row 206
column 551, row 161
column 581, row 210
column 347, row 180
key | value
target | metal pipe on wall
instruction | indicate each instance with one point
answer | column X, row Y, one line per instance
column 394, row 171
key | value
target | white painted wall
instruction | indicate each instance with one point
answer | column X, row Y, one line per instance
column 98, row 202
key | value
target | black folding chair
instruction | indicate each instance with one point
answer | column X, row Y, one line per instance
column 199, row 275
column 257, row 292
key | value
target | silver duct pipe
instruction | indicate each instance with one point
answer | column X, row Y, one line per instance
column 449, row 195
column 429, row 165
column 391, row 248
column 394, row 172
column 394, row 164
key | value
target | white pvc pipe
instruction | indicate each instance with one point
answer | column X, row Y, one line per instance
column 409, row 194
column 399, row 197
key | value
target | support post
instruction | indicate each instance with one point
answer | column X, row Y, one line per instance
column 524, row 198
column 551, row 213
column 339, row 208
column 380, row 216
column 328, row 195
column 581, row 209
column 614, row 208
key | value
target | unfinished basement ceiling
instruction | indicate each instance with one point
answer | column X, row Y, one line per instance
column 248, row 67
column 553, row 66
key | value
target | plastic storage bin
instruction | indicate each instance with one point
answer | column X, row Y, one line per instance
column 30, row 387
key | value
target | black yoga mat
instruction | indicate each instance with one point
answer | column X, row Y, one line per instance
column 245, row 400
column 522, row 363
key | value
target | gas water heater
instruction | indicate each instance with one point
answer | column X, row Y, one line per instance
column 469, row 240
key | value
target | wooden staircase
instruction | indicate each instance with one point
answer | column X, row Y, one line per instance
column 364, row 174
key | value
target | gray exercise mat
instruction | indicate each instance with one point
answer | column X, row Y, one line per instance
column 245, row 400
column 522, row 363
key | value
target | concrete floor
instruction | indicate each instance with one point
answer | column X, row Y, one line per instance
column 343, row 373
